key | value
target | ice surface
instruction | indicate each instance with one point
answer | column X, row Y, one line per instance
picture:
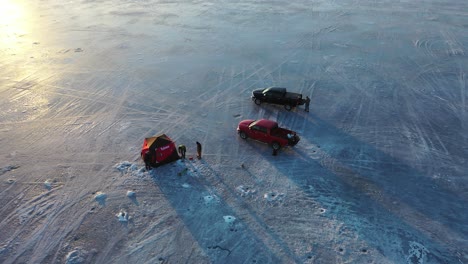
column 379, row 176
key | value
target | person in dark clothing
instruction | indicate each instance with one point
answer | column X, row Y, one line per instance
column 275, row 152
column 182, row 150
column 147, row 160
column 307, row 103
column 199, row 150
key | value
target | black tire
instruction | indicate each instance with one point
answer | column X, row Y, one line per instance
column 275, row 145
column 243, row 135
column 257, row 101
column 288, row 107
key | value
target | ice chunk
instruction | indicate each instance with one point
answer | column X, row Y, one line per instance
column 123, row 216
column 100, row 197
column 209, row 198
column 131, row 194
column 229, row 218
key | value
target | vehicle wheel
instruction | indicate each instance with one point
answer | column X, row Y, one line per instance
column 288, row 107
column 243, row 135
column 258, row 101
column 275, row 145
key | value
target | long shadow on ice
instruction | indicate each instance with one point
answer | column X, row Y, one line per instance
column 403, row 213
column 212, row 222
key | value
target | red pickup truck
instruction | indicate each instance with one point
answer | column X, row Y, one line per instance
column 267, row 131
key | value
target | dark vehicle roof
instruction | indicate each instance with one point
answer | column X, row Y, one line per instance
column 275, row 89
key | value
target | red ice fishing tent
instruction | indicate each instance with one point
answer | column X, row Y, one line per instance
column 159, row 150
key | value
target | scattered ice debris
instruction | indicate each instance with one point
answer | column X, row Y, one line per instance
column 123, row 216
column 273, row 196
column 417, row 253
column 100, row 197
column 131, row 194
column 123, row 166
column 229, row 219
column 245, row 190
column 75, row 257
column 128, row 167
column 186, row 185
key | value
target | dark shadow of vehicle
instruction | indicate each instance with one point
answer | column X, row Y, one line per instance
column 383, row 197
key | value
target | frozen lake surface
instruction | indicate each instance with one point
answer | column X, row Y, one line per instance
column 380, row 174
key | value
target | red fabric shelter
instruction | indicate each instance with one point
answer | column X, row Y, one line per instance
column 159, row 150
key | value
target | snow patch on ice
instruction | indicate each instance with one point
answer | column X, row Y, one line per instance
column 186, row 185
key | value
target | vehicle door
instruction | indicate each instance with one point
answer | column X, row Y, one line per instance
column 259, row 133
column 269, row 97
column 276, row 97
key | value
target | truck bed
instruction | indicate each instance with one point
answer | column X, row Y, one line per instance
column 281, row 132
column 290, row 95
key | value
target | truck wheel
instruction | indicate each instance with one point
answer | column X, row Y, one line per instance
column 258, row 101
column 288, row 107
column 243, row 135
column 275, row 145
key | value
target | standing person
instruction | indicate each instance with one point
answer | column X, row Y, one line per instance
column 307, row 103
column 147, row 159
column 275, row 152
column 182, row 150
column 199, row 150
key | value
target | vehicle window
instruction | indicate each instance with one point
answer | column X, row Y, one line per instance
column 259, row 129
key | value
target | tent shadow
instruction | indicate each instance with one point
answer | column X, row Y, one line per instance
column 203, row 213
